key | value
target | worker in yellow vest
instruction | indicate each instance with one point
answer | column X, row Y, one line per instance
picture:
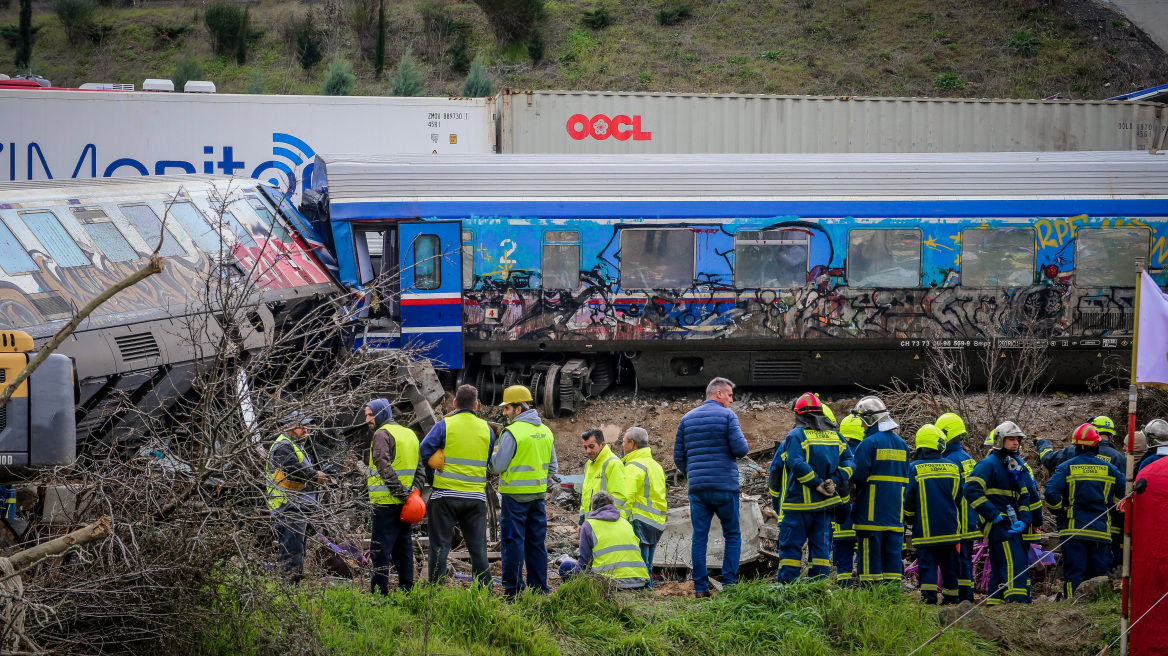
column 604, row 473
column 459, row 499
column 291, row 493
column 645, row 485
column 609, row 546
column 394, row 468
column 524, row 461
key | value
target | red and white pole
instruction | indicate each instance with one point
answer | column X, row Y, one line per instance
column 1129, row 447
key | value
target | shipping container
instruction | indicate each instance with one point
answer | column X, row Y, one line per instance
column 92, row 134
column 563, row 122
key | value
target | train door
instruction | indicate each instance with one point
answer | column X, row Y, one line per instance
column 377, row 273
column 430, row 261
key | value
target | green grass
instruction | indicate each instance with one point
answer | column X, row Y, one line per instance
column 997, row 48
column 582, row 617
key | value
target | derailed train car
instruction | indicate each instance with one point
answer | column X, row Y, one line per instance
column 64, row 242
column 817, row 270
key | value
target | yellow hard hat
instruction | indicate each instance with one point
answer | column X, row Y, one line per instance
column 852, row 428
column 438, row 460
column 952, row 426
column 516, row 394
column 930, row 437
column 1103, row 424
column 828, row 413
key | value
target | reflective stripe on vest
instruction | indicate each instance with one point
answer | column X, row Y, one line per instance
column 617, row 553
column 405, row 465
column 468, row 444
column 279, row 486
column 528, row 471
column 647, row 502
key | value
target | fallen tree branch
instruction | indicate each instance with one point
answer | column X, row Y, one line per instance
column 98, row 530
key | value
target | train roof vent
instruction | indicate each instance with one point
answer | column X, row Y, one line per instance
column 4, row 409
column 138, row 347
column 776, row 372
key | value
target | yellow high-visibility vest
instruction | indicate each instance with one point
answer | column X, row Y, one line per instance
column 405, row 465
column 528, row 471
column 468, row 444
column 645, row 485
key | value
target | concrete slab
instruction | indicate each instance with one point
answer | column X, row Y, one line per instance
column 674, row 548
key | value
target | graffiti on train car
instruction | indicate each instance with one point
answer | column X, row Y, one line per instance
column 906, row 278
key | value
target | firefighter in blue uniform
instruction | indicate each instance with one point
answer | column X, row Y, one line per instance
column 1157, row 434
column 880, row 480
column 843, row 532
column 954, row 429
column 934, row 504
column 818, row 464
column 997, row 490
column 1079, row 493
column 1051, row 459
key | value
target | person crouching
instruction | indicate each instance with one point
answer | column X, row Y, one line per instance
column 609, row 546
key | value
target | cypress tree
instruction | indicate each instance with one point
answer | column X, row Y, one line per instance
column 23, row 58
column 379, row 54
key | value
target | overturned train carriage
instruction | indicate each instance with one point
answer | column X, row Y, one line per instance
column 563, row 272
column 64, row 242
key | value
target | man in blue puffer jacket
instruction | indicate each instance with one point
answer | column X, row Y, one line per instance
column 709, row 440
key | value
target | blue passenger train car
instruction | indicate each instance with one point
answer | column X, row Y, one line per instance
column 803, row 270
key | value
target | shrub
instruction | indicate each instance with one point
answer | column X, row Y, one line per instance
column 76, row 17
column 940, row 35
column 309, row 43
column 738, row 61
column 185, row 70
column 674, row 15
column 597, row 19
column 460, row 54
column 512, row 20
column 1024, row 42
column 165, row 35
column 949, row 81
column 408, row 80
column 535, row 47
column 362, row 17
column 478, row 83
column 1119, row 24
column 255, row 84
column 771, row 55
column 338, row 81
column 226, row 23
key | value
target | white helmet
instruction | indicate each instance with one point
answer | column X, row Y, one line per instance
column 1005, row 429
column 871, row 410
column 1157, row 432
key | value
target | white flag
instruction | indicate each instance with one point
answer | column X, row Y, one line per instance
column 1152, row 335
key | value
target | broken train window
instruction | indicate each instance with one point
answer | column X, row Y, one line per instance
column 657, row 258
column 997, row 257
column 771, row 259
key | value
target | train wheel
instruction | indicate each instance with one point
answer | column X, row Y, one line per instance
column 550, row 389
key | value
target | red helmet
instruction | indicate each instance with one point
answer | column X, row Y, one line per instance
column 808, row 403
column 1086, row 435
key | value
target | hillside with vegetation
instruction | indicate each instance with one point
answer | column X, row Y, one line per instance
column 953, row 48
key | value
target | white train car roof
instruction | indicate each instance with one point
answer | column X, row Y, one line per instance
column 468, row 178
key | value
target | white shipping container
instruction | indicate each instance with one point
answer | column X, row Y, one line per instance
column 92, row 134
column 562, row 122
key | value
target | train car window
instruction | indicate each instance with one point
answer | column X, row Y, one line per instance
column 196, row 225
column 243, row 234
column 52, row 235
column 771, row 259
column 266, row 216
column 997, row 257
column 105, row 234
column 884, row 258
column 1106, row 257
column 561, row 260
column 657, row 259
column 13, row 258
column 467, row 259
column 427, row 262
column 149, row 227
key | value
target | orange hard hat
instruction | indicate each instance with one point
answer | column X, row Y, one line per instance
column 414, row 509
column 438, row 460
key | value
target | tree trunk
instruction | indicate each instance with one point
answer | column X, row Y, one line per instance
column 96, row 531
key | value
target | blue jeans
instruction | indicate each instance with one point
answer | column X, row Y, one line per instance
column 812, row 528
column 523, row 539
column 649, row 537
column 703, row 505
